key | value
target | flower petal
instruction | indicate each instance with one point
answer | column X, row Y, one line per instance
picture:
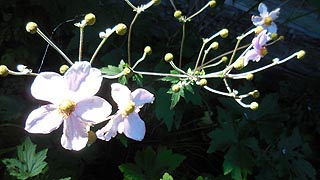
column 43, row 120
column 94, row 109
column 49, row 86
column 263, row 10
column 251, row 55
column 142, row 96
column 134, row 127
column 257, row 20
column 274, row 14
column 272, row 28
column 120, row 94
column 75, row 133
column 110, row 130
column 83, row 80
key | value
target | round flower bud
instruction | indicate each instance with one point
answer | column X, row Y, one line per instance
column 214, row 45
column 212, row 3
column 177, row 14
column 148, row 50
column 254, row 94
column 254, row 106
column 249, row 76
column 126, row 71
column 274, row 36
column 90, row 19
column 239, row 64
column 31, row 27
column 168, row 57
column 258, row 29
column 4, row 71
column 92, row 137
column 121, row 29
column 175, row 88
column 203, row 82
column 63, row 68
column 281, row 38
column 224, row 59
column 301, row 54
column 156, row 2
column 224, row 33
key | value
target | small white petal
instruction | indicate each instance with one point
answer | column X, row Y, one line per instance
column 43, row 120
column 263, row 10
column 142, row 96
column 110, row 129
column 274, row 14
column 257, row 20
column 75, row 133
column 120, row 94
column 94, row 109
column 134, row 127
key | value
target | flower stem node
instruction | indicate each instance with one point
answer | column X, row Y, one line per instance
column 90, row 19
column 249, row 76
column 239, row 64
column 254, row 94
column 148, row 50
column 175, row 88
column 126, row 71
column 66, row 108
column 63, row 68
column 156, row 2
column 214, row 45
column 177, row 14
column 212, row 3
column 168, row 57
column 224, row 33
column 4, row 71
column 301, row 54
column 203, row 82
column 254, row 106
column 121, row 29
column 92, row 137
column 259, row 29
column 31, row 27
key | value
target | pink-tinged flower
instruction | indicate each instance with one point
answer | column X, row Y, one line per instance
column 266, row 19
column 72, row 103
column 259, row 50
column 126, row 120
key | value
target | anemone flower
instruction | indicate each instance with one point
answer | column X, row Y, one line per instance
column 266, row 19
column 258, row 50
column 72, row 103
column 126, row 120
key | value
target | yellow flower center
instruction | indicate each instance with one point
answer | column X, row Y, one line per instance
column 66, row 107
column 263, row 51
column 267, row 21
column 129, row 108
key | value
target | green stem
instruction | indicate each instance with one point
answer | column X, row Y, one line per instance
column 129, row 37
column 182, row 43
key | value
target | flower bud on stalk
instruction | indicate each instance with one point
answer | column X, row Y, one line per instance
column 90, row 19
column 148, row 50
column 301, row 54
column 121, row 29
column 168, row 57
column 177, row 14
column 4, row 71
column 63, row 69
column 254, row 106
column 212, row 3
column 203, row 82
column 224, row 33
column 31, row 27
column 175, row 88
column 156, row 2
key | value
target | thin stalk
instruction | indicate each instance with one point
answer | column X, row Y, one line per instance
column 98, row 49
column 182, row 43
column 129, row 37
column 81, row 43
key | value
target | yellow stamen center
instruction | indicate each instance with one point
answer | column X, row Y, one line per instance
column 267, row 21
column 263, row 51
column 129, row 108
column 66, row 107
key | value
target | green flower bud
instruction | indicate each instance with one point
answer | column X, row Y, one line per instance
column 254, row 106
column 301, row 54
column 212, row 3
column 90, row 19
column 239, row 64
column 4, row 71
column 177, row 14
column 254, row 94
column 224, row 59
column 203, row 82
column 31, row 27
column 274, row 36
column 168, row 57
column 156, row 2
column 281, row 38
column 63, row 68
column 249, row 76
column 121, row 29
column 126, row 71
column 214, row 45
column 175, row 88
column 148, row 50
column 224, row 33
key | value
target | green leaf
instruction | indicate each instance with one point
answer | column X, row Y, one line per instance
column 175, row 96
column 29, row 163
column 110, row 70
column 166, row 176
column 151, row 165
column 162, row 104
column 138, row 79
column 304, row 170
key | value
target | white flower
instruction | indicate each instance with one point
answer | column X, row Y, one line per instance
column 266, row 19
column 259, row 50
column 127, row 119
column 73, row 104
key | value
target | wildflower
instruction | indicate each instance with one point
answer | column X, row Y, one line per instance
column 266, row 19
column 72, row 103
column 258, row 50
column 126, row 120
